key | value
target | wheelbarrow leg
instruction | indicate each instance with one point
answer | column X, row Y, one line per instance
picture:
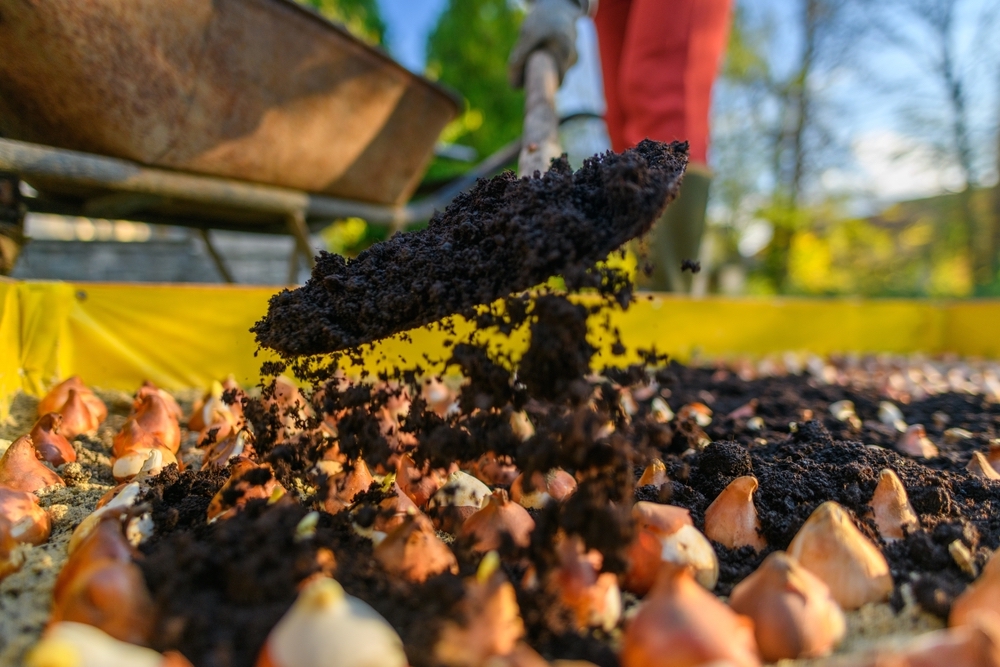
column 297, row 228
column 12, row 211
column 220, row 264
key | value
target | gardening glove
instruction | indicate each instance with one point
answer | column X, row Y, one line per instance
column 549, row 25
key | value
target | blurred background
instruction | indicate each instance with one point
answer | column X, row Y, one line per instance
column 856, row 146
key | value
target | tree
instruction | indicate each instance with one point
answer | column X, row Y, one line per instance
column 361, row 17
column 772, row 112
column 468, row 51
column 949, row 44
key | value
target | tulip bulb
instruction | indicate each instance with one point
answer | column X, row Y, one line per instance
column 891, row 508
column 130, row 464
column 842, row 410
column 169, row 401
column 980, row 467
column 890, row 415
column 498, row 517
column 21, row 470
column 593, row 596
column 681, row 543
column 700, row 413
column 236, row 444
column 491, row 624
column 22, row 521
column 256, row 482
column 644, row 562
column 794, row 614
column 655, row 474
column 982, row 595
column 731, row 519
column 494, row 470
column 413, row 551
column 660, row 411
column 974, row 645
column 326, row 626
column 521, row 425
column 154, row 415
column 78, row 417
column 79, row 645
column 914, row 442
column 556, row 484
column 682, row 625
column 104, row 541
column 462, row 496
column 50, row 444
column 419, row 483
column 830, row 546
column 58, row 395
column 346, row 485
column 111, row 595
column 392, row 511
column 116, row 507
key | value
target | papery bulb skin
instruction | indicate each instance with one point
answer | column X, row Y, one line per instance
column 78, row 418
column 419, row 483
column 461, row 496
column 831, row 547
column 78, row 645
column 894, row 515
column 346, row 485
column 681, row 543
column 154, row 415
column 148, row 388
column 106, row 541
column 59, row 394
column 50, row 444
column 731, row 519
column 592, row 595
column 498, row 517
column 915, row 443
column 494, row 470
column 491, row 623
column 982, row 595
column 644, row 562
column 979, row 466
column 414, row 552
column 256, row 482
column 794, row 614
column 21, row 470
column 655, row 474
column 327, row 627
column 22, row 521
column 110, row 595
column 680, row 624
column 556, row 484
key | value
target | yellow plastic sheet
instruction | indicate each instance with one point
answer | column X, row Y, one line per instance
column 178, row 336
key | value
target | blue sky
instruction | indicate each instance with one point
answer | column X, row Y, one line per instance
column 409, row 22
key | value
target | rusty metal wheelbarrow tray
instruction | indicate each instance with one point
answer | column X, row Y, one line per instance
column 254, row 90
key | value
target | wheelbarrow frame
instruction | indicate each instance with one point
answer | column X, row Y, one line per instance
column 82, row 184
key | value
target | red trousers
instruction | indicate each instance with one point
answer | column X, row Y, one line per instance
column 660, row 59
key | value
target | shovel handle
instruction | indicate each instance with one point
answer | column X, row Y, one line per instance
column 540, row 139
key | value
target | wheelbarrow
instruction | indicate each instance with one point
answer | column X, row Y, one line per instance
column 245, row 115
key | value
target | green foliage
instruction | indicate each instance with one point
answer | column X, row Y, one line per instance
column 468, row 52
column 361, row 17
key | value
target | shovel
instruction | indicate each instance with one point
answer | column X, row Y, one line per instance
column 506, row 235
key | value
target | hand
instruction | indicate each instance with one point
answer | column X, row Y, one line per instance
column 549, row 25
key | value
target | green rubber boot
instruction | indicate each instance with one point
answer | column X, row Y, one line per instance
column 676, row 236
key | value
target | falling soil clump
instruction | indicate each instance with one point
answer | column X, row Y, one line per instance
column 505, row 235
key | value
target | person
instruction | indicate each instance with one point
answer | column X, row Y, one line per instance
column 659, row 59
